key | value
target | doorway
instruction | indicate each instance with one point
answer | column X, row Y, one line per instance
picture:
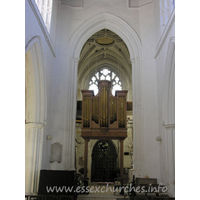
column 104, row 161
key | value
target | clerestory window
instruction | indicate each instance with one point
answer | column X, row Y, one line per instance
column 166, row 8
column 45, row 8
column 105, row 74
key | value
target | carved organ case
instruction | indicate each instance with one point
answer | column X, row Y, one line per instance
column 104, row 115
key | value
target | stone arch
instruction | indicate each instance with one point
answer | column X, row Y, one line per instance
column 38, row 107
column 169, row 85
column 134, row 45
column 113, row 142
column 35, row 89
column 101, row 21
column 168, row 113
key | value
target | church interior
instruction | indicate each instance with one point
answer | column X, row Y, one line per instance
column 99, row 97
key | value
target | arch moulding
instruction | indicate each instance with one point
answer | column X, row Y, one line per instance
column 34, row 131
column 40, row 101
column 76, row 42
column 101, row 21
column 169, row 86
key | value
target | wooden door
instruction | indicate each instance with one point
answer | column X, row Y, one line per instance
column 104, row 161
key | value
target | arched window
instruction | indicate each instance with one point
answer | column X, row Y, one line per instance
column 105, row 74
column 45, row 8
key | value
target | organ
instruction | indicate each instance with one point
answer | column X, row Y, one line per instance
column 104, row 116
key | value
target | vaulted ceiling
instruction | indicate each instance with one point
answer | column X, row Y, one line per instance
column 105, row 48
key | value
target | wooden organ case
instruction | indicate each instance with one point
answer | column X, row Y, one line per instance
column 104, row 116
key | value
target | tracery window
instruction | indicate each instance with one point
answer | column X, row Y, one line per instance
column 45, row 8
column 105, row 74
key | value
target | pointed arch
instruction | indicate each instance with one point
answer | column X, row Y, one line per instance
column 35, row 89
column 134, row 45
column 33, row 50
column 111, row 22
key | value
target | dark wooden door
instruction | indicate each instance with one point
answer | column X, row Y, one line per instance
column 104, row 161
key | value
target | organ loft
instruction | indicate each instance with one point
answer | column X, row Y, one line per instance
column 104, row 116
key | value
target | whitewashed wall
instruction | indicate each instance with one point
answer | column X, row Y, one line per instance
column 40, row 51
column 165, row 64
column 150, row 151
column 148, row 67
column 141, row 20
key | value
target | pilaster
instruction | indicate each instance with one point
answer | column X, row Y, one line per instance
column 137, row 118
column 33, row 156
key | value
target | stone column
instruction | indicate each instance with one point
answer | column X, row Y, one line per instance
column 85, row 159
column 137, row 119
column 71, row 116
column 170, row 157
column 121, row 159
column 33, row 156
